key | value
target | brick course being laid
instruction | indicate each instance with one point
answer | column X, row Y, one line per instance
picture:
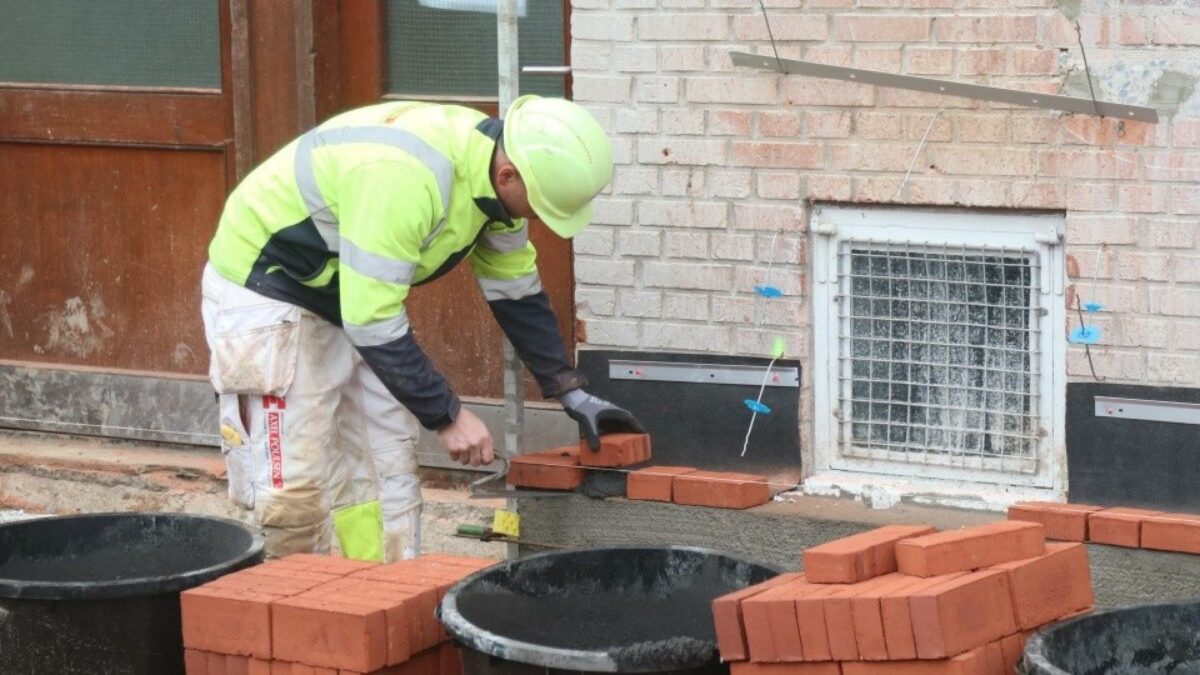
column 566, row 468
column 654, row 483
column 1064, row 522
column 313, row 615
column 969, row 621
column 1131, row 528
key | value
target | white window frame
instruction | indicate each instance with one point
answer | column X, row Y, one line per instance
column 1039, row 233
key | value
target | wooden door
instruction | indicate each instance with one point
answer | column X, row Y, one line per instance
column 375, row 61
column 115, row 156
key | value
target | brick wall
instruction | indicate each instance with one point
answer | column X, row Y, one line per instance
column 713, row 161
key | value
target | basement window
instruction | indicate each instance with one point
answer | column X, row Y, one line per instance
column 935, row 353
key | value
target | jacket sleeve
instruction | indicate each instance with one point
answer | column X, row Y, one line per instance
column 379, row 247
column 505, row 264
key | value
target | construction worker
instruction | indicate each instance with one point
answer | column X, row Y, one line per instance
column 320, row 380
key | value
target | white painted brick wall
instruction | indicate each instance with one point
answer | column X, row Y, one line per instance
column 714, row 160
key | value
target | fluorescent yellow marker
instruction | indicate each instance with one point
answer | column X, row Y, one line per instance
column 506, row 523
column 778, row 348
column 231, row 436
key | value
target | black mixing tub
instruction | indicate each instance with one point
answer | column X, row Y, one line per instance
column 606, row 610
column 1143, row 640
column 100, row 593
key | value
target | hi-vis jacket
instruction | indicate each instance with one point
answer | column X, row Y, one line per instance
column 346, row 219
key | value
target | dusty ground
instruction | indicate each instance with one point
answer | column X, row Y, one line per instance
column 55, row 474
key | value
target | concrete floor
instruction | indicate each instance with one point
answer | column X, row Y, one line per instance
column 55, row 474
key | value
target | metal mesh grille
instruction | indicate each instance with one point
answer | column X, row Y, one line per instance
column 938, row 355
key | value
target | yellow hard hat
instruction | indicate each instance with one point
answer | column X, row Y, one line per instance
column 563, row 156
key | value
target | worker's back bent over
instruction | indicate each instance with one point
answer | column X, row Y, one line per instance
column 322, row 385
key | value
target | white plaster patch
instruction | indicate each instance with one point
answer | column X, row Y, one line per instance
column 77, row 329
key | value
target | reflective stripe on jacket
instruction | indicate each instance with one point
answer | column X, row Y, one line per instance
column 346, row 219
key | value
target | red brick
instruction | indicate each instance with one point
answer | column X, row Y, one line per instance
column 1064, row 522
column 460, row 561
column 826, row 668
column 1118, row 527
column 322, row 631
column 993, row 657
column 237, row 665
column 276, row 582
column 285, row 668
column 449, row 660
column 728, row 618
column 858, row 557
column 961, row 614
column 328, row 564
column 1050, row 586
column 616, row 450
column 810, row 617
column 1013, row 647
column 227, row 621
column 896, row 614
column 401, row 608
column 1172, row 532
column 721, row 490
column 973, row 662
column 970, row 548
column 423, row 629
column 839, row 623
column 436, row 574
column 552, row 470
column 653, row 484
column 195, row 662
column 428, row 662
column 866, row 609
column 215, row 664
column 769, row 617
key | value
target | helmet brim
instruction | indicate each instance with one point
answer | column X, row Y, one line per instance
column 567, row 227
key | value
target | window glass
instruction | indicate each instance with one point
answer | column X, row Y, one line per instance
column 158, row 43
column 448, row 47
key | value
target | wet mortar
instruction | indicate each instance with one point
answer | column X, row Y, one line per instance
column 644, row 607
column 48, row 552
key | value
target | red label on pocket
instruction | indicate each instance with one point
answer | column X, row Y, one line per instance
column 275, row 447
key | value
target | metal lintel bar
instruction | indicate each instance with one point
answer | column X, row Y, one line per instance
column 959, row 89
column 1175, row 412
column 699, row 373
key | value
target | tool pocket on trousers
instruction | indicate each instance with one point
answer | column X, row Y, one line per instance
column 235, row 446
column 255, row 349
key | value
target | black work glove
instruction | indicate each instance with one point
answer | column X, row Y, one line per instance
column 597, row 416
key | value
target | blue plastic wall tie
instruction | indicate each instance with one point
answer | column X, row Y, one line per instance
column 756, row 406
column 768, row 291
column 1085, row 335
column 1093, row 306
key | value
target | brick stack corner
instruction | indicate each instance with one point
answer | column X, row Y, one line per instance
column 907, row 600
column 320, row 615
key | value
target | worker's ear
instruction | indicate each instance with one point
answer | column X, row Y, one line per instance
column 507, row 176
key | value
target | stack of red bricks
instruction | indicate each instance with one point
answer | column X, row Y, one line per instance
column 906, row 600
column 322, row 615
column 565, row 468
column 1134, row 528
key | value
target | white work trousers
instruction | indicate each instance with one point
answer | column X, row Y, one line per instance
column 307, row 427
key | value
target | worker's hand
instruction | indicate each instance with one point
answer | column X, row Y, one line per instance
column 597, row 416
column 467, row 440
